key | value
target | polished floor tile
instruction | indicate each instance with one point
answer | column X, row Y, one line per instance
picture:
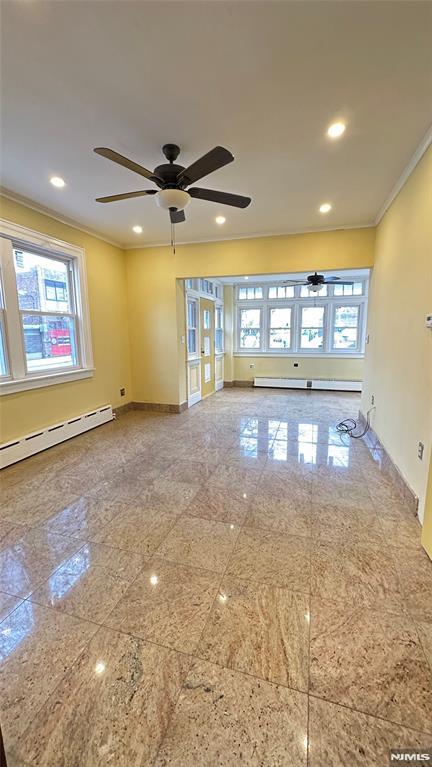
column 167, row 603
column 235, row 584
column 200, row 543
column 218, row 505
column 112, row 707
column 341, row 737
column 356, row 572
column 261, row 630
column 37, row 646
column 91, row 582
column 284, row 515
column 226, row 718
column 280, row 560
column 371, row 661
column 32, row 559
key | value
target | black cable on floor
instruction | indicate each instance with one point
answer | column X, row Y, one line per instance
column 349, row 425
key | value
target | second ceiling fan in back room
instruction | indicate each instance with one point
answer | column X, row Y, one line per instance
column 173, row 180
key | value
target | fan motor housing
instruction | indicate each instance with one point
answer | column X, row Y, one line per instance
column 168, row 172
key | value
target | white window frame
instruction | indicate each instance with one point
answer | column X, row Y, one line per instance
column 19, row 379
column 329, row 302
column 193, row 300
column 219, row 308
column 250, row 305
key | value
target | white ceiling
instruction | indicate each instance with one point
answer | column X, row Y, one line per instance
column 263, row 79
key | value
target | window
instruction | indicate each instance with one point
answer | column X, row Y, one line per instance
column 312, row 327
column 250, row 328
column 46, row 309
column 206, row 287
column 281, row 291
column 250, row 294
column 189, row 284
column 207, row 319
column 346, row 327
column 219, row 346
column 280, row 328
column 4, row 366
column 348, row 290
column 192, row 327
column 44, row 326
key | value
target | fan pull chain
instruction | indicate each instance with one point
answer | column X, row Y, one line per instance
column 173, row 242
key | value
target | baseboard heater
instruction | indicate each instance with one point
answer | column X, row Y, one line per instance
column 328, row 384
column 17, row 449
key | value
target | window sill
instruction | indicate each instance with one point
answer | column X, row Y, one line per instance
column 37, row 382
column 294, row 355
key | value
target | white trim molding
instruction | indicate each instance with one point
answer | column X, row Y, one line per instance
column 403, row 178
column 18, row 377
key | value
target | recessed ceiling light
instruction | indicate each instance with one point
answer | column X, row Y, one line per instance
column 220, row 220
column 137, row 229
column 58, row 181
column 325, row 207
column 336, row 130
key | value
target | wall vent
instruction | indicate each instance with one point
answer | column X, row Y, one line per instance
column 17, row 449
column 328, row 384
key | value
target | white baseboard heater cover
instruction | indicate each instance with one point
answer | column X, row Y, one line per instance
column 17, row 449
column 328, row 384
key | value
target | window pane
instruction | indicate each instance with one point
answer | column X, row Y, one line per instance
column 242, row 294
column 349, row 290
column 345, row 338
column 250, row 328
column 3, row 359
column 206, row 319
column 42, row 282
column 191, row 341
column 312, row 332
column 192, row 314
column 346, row 316
column 49, row 341
column 280, row 334
column 306, row 292
column 219, row 340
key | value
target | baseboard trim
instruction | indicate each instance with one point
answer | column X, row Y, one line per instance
column 388, row 467
column 243, row 384
column 160, row 407
column 228, row 384
column 123, row 409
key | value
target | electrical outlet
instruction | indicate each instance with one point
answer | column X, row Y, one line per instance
column 420, row 450
column 252, row 365
column 373, row 399
column 296, row 364
column 122, row 392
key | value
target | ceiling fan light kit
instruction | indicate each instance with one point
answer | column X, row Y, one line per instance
column 172, row 180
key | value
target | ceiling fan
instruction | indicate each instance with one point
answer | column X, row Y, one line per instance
column 173, row 180
column 315, row 282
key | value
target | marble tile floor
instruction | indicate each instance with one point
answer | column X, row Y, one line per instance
column 237, row 584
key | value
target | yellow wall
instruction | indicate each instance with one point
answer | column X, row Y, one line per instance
column 398, row 362
column 152, row 274
column 342, row 369
column 106, row 275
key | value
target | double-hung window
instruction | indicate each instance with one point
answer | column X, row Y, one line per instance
column 346, row 327
column 312, row 327
column 250, row 328
column 44, row 323
column 192, row 327
column 280, row 327
column 219, row 344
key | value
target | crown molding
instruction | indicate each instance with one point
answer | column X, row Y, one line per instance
column 403, row 178
column 253, row 236
column 53, row 214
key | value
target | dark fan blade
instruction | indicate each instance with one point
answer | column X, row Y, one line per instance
column 130, row 164
column 295, row 282
column 216, row 158
column 177, row 216
column 236, row 200
column 339, row 282
column 126, row 196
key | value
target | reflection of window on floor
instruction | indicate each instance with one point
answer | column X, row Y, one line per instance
column 249, row 446
column 307, row 443
column 14, row 629
column 338, row 454
column 69, row 574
